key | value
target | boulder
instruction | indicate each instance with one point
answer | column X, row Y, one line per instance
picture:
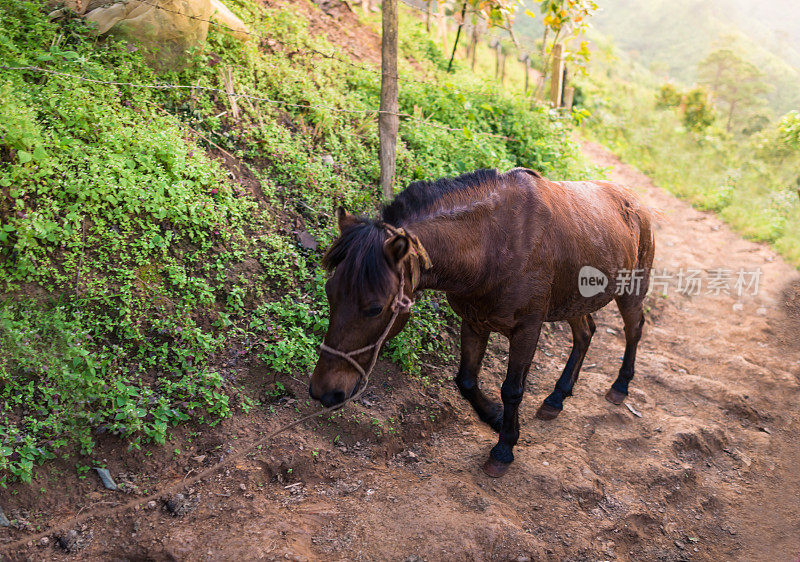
column 166, row 28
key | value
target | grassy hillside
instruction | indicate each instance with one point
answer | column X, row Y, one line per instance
column 149, row 241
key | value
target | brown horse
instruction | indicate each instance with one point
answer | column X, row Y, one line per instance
column 510, row 251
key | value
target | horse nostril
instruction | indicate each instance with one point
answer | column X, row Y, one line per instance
column 332, row 398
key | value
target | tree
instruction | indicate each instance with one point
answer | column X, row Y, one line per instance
column 496, row 13
column 734, row 81
column 565, row 19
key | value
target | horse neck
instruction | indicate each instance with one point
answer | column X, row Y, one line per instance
column 455, row 248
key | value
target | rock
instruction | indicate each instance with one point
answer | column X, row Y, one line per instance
column 229, row 22
column 523, row 558
column 167, row 28
column 151, row 504
column 73, row 541
column 327, row 159
column 44, row 541
column 179, row 505
column 105, row 478
column 4, row 522
column 307, row 241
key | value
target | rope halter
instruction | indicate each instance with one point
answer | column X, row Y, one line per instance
column 401, row 304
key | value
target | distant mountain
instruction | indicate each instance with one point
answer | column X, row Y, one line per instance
column 670, row 37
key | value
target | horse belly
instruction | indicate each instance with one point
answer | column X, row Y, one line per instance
column 577, row 306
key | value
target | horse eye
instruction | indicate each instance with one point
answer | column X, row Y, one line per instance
column 373, row 311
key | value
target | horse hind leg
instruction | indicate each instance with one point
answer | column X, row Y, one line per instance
column 582, row 330
column 473, row 348
column 633, row 316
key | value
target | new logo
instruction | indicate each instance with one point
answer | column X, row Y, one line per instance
column 591, row 281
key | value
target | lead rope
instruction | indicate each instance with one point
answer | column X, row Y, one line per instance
column 401, row 303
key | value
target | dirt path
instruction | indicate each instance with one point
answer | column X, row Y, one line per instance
column 709, row 469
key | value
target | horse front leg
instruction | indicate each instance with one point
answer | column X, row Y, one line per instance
column 522, row 346
column 473, row 348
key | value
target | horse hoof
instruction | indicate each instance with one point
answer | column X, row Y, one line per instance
column 495, row 468
column 547, row 412
column 615, row 396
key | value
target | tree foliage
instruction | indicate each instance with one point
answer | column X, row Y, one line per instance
column 695, row 107
column 735, row 82
column 789, row 130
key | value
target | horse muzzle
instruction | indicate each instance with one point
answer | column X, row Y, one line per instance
column 331, row 397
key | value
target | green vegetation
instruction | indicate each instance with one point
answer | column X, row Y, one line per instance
column 134, row 264
column 747, row 173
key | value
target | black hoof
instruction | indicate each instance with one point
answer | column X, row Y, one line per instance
column 615, row 396
column 495, row 468
column 547, row 412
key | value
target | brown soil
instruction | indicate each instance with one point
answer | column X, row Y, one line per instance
column 710, row 471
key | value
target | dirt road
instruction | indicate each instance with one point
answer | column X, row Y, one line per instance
column 705, row 465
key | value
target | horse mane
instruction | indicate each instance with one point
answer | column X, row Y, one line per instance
column 359, row 249
column 423, row 197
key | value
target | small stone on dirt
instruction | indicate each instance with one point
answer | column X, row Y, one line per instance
column 105, row 478
column 152, row 504
column 179, row 505
column 73, row 541
column 4, row 522
column 44, row 541
column 327, row 159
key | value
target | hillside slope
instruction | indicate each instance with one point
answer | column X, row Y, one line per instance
column 152, row 237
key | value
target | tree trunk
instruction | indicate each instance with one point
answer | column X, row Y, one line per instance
column 458, row 34
column 388, row 120
column 730, row 116
column 544, row 44
column 474, row 43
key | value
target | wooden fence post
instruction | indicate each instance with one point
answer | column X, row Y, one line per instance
column 495, row 44
column 226, row 76
column 569, row 95
column 428, row 16
column 524, row 59
column 388, row 120
column 557, row 75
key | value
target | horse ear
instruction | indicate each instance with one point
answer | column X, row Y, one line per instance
column 346, row 220
column 397, row 248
